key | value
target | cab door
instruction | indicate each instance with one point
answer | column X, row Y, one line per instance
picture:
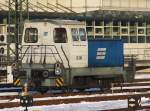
column 60, row 38
column 79, row 48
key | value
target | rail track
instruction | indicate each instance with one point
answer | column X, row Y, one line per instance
column 139, row 85
column 46, row 99
column 134, row 90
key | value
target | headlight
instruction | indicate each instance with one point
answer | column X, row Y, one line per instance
column 58, row 69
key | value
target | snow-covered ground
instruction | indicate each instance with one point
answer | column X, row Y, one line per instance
column 68, row 97
column 83, row 106
column 142, row 76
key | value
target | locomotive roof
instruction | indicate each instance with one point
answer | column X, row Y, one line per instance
column 59, row 22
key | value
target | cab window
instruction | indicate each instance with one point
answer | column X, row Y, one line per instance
column 74, row 33
column 78, row 34
column 82, row 34
column 60, row 35
column 31, row 35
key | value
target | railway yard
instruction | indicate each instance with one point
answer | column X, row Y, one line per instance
column 74, row 55
column 117, row 97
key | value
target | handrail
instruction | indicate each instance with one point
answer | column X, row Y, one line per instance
column 53, row 54
column 24, row 53
column 68, row 64
column 58, row 54
column 65, row 56
column 45, row 53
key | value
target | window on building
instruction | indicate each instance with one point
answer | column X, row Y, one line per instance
column 74, row 33
column 11, row 35
column 60, row 35
column 82, row 34
column 141, row 39
column 124, row 31
column 124, row 23
column 125, row 39
column 148, row 31
column 116, row 37
column 108, row 37
column 31, row 35
column 141, row 31
column 148, row 39
column 133, row 39
column 98, row 37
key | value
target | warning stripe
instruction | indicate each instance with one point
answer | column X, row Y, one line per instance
column 17, row 82
column 58, row 85
column 59, row 82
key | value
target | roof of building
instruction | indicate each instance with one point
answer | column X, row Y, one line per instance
column 59, row 21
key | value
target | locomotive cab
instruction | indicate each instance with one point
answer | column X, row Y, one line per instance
column 68, row 37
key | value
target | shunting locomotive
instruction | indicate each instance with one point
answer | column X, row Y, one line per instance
column 57, row 53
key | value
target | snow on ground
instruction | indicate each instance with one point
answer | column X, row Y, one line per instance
column 131, row 87
column 71, row 97
column 8, row 93
column 61, row 97
column 83, row 106
column 142, row 76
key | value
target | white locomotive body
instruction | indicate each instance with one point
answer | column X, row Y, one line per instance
column 55, row 53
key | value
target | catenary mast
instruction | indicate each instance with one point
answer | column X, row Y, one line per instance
column 18, row 12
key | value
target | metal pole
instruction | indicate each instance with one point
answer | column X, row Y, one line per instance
column 27, row 3
column 26, row 109
column 17, row 32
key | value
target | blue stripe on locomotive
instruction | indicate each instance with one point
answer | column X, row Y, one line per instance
column 105, row 53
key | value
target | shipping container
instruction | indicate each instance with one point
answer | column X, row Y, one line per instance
column 105, row 53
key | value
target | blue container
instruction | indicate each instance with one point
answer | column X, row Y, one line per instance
column 105, row 53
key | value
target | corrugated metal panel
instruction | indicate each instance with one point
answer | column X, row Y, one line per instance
column 125, row 3
column 142, row 3
column 116, row 3
column 133, row 3
column 106, row 3
column 81, row 5
column 105, row 53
